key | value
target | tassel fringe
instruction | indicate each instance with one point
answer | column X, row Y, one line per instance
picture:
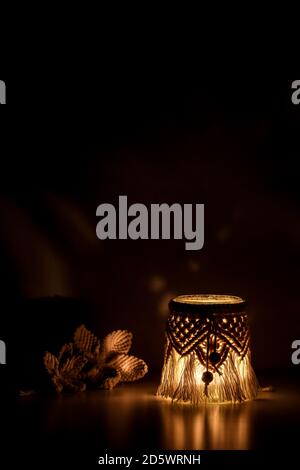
column 182, row 379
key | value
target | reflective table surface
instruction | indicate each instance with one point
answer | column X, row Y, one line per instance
column 132, row 417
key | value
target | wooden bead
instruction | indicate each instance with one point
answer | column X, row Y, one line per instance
column 207, row 377
column 214, row 358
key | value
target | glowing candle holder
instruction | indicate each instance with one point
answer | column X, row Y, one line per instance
column 207, row 355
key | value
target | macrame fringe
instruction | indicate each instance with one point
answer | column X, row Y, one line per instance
column 182, row 379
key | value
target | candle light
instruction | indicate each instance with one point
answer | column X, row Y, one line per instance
column 207, row 354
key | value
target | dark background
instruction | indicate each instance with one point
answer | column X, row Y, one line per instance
column 69, row 145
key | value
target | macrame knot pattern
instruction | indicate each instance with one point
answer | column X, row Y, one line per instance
column 207, row 355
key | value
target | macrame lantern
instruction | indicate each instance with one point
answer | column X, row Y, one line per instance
column 207, row 355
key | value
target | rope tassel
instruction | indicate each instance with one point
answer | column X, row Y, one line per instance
column 207, row 358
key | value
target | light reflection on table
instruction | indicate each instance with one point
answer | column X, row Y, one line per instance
column 208, row 427
column 132, row 417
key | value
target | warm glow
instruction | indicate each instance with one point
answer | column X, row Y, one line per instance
column 207, row 355
column 182, row 380
column 207, row 427
column 206, row 299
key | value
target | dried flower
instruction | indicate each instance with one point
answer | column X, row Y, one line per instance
column 110, row 364
column 86, row 362
column 65, row 370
